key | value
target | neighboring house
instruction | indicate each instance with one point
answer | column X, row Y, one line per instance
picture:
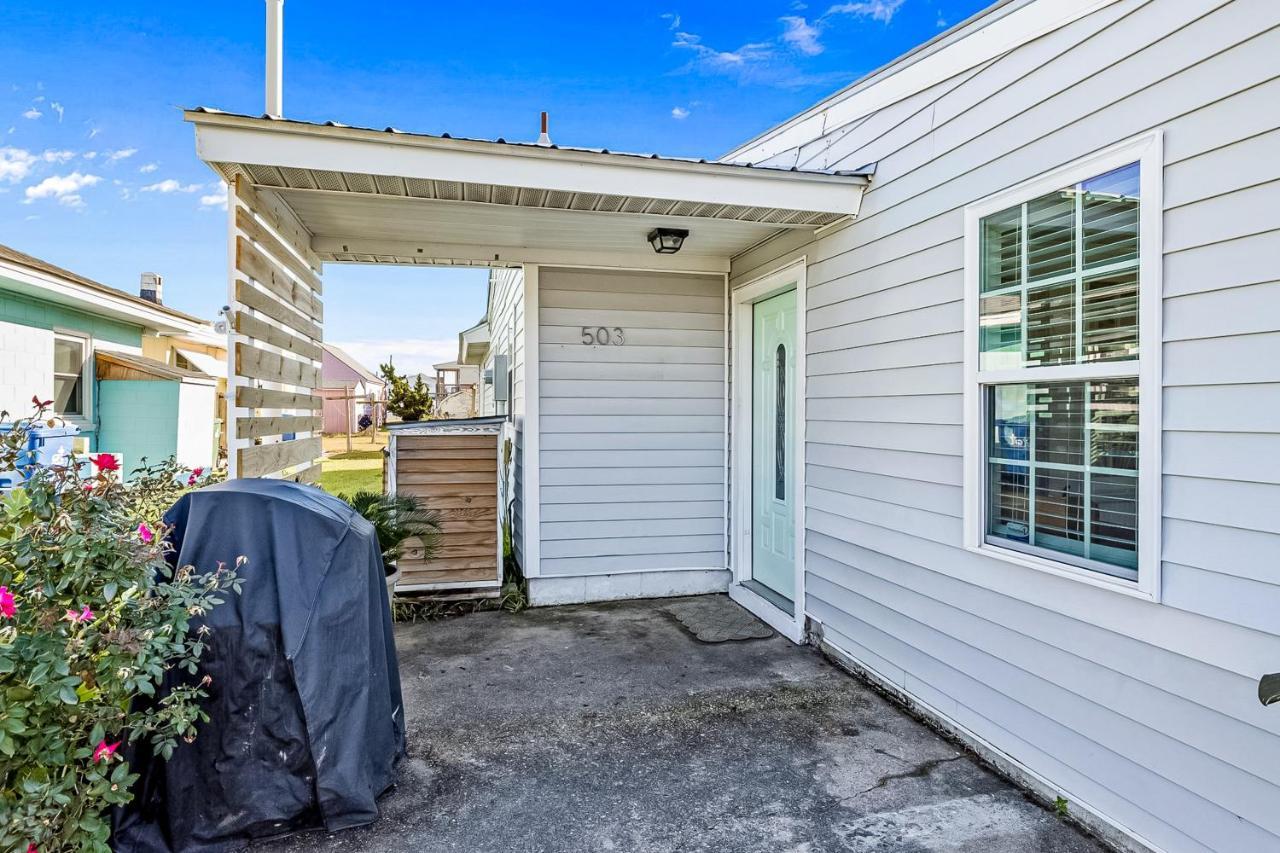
column 350, row 390
column 454, row 392
column 110, row 361
column 970, row 374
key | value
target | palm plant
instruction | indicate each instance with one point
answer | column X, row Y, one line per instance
column 396, row 519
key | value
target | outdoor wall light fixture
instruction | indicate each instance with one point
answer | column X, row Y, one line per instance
column 667, row 241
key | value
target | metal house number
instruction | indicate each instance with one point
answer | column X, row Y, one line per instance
column 603, row 336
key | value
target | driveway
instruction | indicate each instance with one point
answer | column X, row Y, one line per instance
column 612, row 728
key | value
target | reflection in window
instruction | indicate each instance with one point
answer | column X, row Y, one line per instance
column 780, row 431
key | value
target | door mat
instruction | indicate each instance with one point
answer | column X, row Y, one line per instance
column 716, row 619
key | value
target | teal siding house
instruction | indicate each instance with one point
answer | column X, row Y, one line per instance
column 123, row 368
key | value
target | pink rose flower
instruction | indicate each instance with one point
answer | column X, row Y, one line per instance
column 8, row 608
column 106, row 462
column 105, row 750
column 145, row 533
column 85, row 615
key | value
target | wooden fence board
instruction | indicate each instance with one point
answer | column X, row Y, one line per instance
column 274, row 367
column 270, row 458
column 257, row 232
column 266, row 398
column 263, row 427
column 251, row 297
column 258, row 266
column 280, row 218
column 250, row 326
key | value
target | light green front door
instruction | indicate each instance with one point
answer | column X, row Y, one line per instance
column 773, row 443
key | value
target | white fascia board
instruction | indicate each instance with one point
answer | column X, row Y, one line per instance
column 75, row 295
column 232, row 139
column 459, row 252
column 890, row 84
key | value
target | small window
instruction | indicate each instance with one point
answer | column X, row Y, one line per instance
column 69, row 380
column 1061, row 475
column 780, row 429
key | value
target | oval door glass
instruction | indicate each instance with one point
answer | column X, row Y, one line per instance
column 773, row 445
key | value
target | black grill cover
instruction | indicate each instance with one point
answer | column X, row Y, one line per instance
column 305, row 718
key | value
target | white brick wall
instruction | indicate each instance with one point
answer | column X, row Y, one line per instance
column 26, row 367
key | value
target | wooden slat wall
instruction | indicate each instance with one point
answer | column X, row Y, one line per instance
column 458, row 477
column 276, row 318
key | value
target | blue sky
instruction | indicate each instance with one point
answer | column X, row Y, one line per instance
column 98, row 171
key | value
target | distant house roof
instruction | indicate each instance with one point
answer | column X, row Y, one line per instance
column 137, row 366
column 346, row 358
column 21, row 259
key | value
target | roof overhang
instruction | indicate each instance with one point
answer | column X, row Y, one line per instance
column 473, row 344
column 100, row 301
column 371, row 196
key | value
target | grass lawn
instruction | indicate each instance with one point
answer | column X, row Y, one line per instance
column 346, row 481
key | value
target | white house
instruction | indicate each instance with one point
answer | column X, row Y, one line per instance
column 970, row 374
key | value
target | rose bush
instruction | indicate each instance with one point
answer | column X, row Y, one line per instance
column 91, row 618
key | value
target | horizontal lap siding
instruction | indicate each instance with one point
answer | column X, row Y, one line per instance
column 632, row 435
column 1146, row 712
column 506, row 337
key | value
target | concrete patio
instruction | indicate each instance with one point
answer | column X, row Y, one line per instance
column 611, row 727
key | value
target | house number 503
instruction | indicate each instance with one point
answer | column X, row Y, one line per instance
column 603, row 336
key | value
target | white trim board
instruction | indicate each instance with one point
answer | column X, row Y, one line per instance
column 657, row 583
column 531, row 526
column 794, row 273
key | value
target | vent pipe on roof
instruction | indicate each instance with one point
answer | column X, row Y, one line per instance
column 543, row 139
column 275, row 58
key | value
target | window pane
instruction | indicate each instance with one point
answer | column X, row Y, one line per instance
column 1036, row 287
column 1000, row 327
column 67, row 398
column 1051, row 324
column 1110, row 325
column 1062, row 463
column 1002, row 249
column 68, row 356
column 1113, row 424
column 1059, row 435
column 1051, row 240
column 1110, row 217
column 780, row 429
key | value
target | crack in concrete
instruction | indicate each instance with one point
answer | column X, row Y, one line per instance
column 918, row 772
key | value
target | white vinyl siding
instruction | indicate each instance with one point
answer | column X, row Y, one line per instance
column 506, row 337
column 632, row 434
column 1145, row 713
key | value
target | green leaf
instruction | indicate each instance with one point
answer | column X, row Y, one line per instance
column 68, row 695
column 109, row 591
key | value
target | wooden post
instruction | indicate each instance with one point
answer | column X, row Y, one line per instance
column 351, row 407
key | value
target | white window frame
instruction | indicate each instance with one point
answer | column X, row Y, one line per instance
column 1147, row 151
column 86, row 376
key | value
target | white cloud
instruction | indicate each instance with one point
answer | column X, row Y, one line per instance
column 674, row 18
column 89, row 155
column 32, row 114
column 169, row 185
column 15, row 164
column 57, row 108
column 876, row 10
column 64, row 188
column 722, row 60
column 217, row 198
column 148, row 168
column 121, row 153
column 410, row 355
column 679, row 113
column 57, row 155
column 801, row 35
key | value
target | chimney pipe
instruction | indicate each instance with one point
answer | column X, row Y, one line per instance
column 275, row 58
column 543, row 139
column 152, row 288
